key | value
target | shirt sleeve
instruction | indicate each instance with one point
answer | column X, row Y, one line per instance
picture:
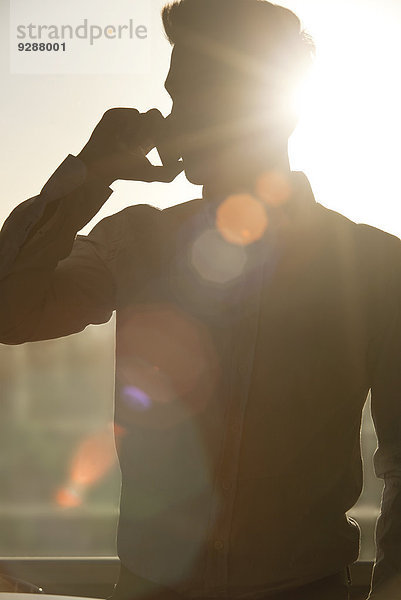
column 386, row 413
column 53, row 282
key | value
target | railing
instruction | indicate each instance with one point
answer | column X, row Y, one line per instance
column 95, row 577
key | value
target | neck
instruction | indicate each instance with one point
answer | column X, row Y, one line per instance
column 241, row 175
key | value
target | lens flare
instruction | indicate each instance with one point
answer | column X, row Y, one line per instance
column 167, row 366
column 273, row 188
column 241, row 219
column 69, row 497
column 94, row 457
column 119, row 431
column 215, row 259
column 136, row 397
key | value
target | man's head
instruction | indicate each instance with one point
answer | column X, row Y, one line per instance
column 234, row 66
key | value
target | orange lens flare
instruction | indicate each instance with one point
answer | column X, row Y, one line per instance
column 93, row 458
column 241, row 219
column 273, row 188
column 68, row 497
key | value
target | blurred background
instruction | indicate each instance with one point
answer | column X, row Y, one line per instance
column 60, row 482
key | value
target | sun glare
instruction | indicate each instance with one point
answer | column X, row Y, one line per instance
column 349, row 127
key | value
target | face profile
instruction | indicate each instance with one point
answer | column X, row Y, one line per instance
column 203, row 110
column 230, row 93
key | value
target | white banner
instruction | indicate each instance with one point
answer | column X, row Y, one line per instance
column 80, row 36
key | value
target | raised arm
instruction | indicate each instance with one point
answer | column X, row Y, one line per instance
column 53, row 282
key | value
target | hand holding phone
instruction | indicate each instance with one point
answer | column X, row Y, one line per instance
column 121, row 140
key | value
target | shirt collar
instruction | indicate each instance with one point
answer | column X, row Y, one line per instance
column 296, row 211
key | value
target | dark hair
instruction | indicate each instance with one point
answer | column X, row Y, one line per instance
column 255, row 38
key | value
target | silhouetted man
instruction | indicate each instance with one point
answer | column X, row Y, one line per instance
column 251, row 324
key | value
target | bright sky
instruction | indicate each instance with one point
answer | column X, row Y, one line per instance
column 347, row 141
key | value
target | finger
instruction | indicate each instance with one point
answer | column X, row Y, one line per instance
column 121, row 113
column 150, row 123
column 166, row 173
column 124, row 124
column 121, row 119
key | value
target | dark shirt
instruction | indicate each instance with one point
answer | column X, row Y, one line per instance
column 241, row 375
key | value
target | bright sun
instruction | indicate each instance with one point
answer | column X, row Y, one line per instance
column 349, row 131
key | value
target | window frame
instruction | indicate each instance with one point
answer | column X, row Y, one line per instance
column 95, row 576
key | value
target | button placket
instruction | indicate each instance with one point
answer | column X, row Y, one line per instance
column 219, row 544
column 235, row 427
column 215, row 583
column 242, row 352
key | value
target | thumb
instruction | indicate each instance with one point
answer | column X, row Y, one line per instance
column 165, row 173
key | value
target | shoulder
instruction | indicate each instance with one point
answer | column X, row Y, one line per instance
column 164, row 222
column 137, row 217
column 149, row 213
column 141, row 224
column 374, row 251
column 373, row 240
